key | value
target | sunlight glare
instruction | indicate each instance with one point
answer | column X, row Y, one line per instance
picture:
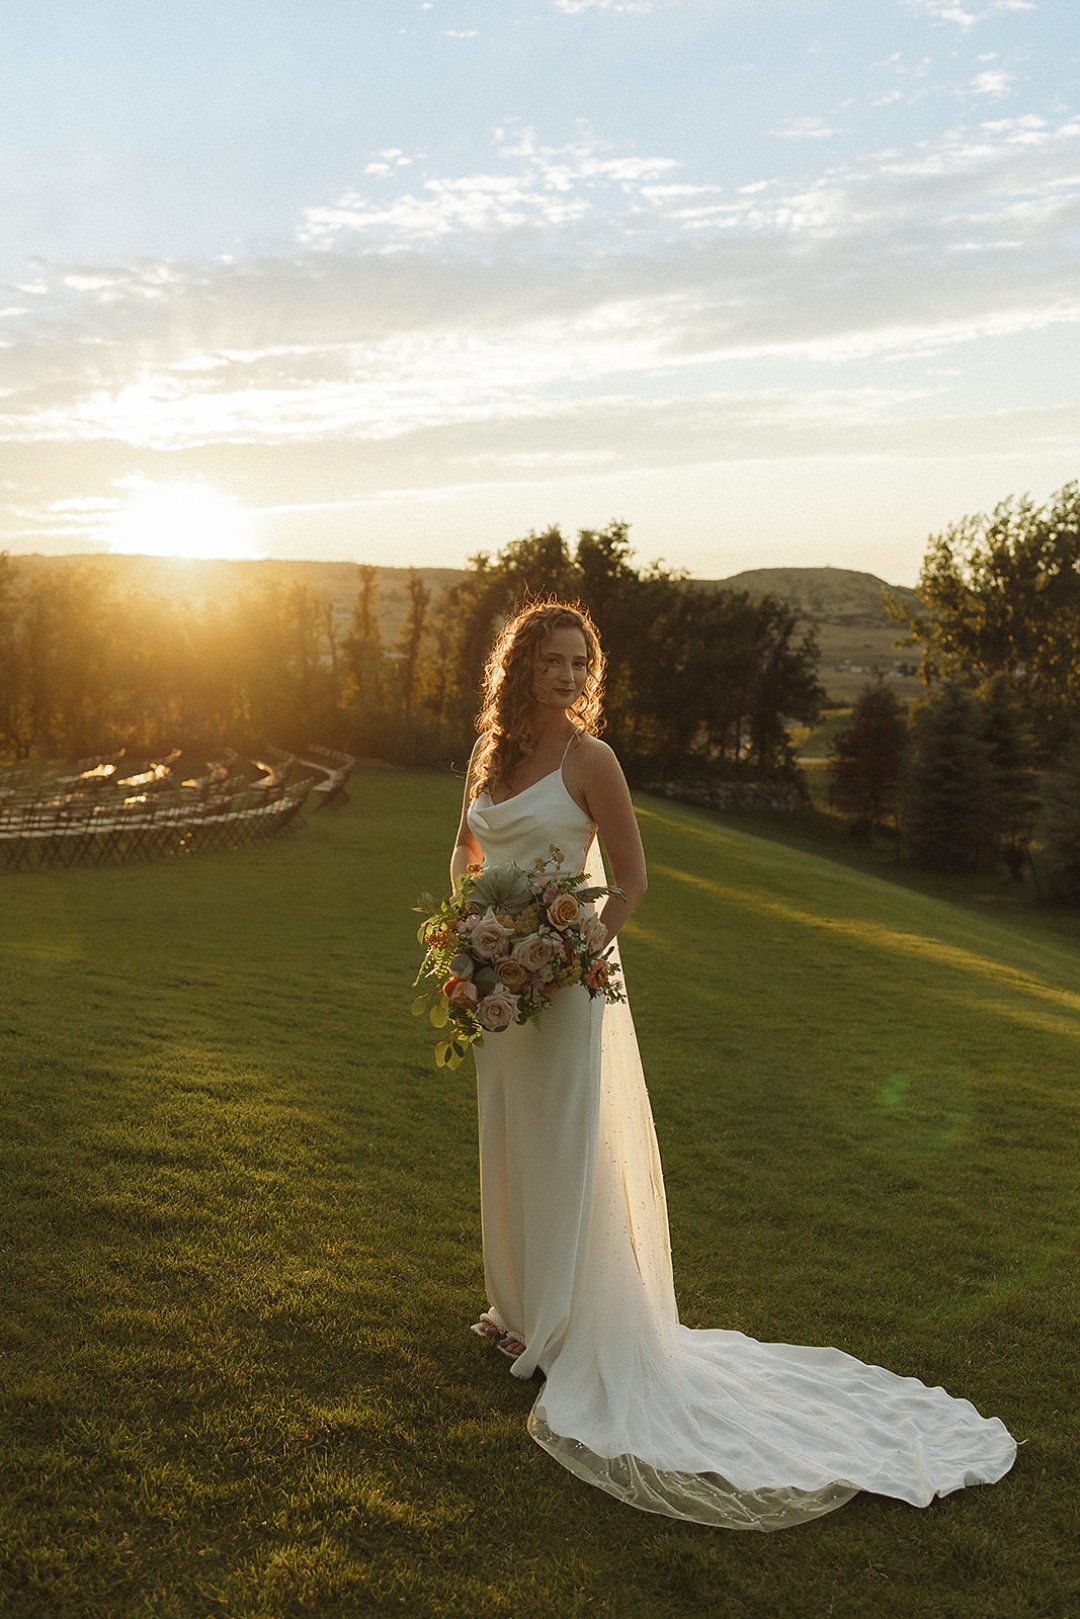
column 183, row 520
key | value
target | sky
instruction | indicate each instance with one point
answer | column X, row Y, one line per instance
column 776, row 282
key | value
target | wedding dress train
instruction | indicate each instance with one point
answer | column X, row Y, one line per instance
column 704, row 1425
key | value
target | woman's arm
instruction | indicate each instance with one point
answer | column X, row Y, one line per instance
column 607, row 800
column 467, row 851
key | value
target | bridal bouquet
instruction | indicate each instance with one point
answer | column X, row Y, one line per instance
column 500, row 947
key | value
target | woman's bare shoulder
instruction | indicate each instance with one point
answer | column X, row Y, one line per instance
column 594, row 758
column 588, row 746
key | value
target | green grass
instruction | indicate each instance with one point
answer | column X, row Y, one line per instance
column 241, row 1232
column 817, row 741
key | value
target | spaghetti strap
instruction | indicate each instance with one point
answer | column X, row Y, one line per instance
column 567, row 748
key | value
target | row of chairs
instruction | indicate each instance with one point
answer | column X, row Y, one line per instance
column 107, row 827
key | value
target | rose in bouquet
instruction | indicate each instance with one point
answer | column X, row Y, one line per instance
column 503, row 944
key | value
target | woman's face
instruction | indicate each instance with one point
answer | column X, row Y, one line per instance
column 562, row 666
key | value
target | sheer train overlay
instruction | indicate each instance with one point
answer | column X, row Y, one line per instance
column 705, row 1425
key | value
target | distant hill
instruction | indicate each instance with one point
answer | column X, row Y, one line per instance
column 855, row 633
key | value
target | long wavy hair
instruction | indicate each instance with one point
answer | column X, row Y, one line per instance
column 504, row 720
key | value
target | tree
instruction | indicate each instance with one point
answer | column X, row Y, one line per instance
column 947, row 821
column 12, row 670
column 418, row 688
column 715, row 676
column 1061, row 837
column 363, row 695
column 698, row 679
column 1012, row 776
column 866, row 768
column 1000, row 595
column 785, row 686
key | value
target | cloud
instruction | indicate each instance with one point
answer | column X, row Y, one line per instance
column 991, row 83
column 805, row 129
column 571, row 306
column 945, row 11
column 540, row 186
column 571, row 7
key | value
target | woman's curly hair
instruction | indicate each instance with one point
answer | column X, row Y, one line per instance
column 504, row 719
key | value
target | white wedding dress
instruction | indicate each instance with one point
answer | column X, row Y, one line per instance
column 705, row 1425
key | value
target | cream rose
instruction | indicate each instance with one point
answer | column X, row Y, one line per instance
column 533, row 952
column 594, row 934
column 489, row 939
column 497, row 1010
column 511, row 973
column 563, row 911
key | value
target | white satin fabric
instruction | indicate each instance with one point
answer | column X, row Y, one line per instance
column 705, row 1425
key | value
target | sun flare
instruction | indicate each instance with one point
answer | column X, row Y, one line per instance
column 183, row 520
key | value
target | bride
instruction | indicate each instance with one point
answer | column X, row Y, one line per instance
column 704, row 1425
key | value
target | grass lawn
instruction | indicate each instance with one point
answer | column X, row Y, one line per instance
column 241, row 1243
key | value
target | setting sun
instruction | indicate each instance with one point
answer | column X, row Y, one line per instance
column 183, row 520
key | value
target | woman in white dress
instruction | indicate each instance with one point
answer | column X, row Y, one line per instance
column 705, row 1425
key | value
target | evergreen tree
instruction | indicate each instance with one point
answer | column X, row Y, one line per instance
column 866, row 767
column 948, row 821
column 1012, row 775
column 1062, row 829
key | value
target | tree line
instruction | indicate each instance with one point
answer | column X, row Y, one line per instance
column 992, row 753
column 701, row 680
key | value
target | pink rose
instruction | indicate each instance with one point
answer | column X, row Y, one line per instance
column 564, row 911
column 594, row 934
column 497, row 1010
column 533, row 952
column 489, row 939
column 461, row 992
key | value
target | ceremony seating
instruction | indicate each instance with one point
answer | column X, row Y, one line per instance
column 335, row 769
column 90, row 817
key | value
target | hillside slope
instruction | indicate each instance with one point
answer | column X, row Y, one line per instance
column 243, row 1232
column 857, row 637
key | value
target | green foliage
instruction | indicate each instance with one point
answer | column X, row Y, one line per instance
column 969, row 790
column 1013, row 797
column 867, row 761
column 700, row 679
column 949, row 823
column 1062, row 829
column 1000, row 595
column 242, row 1233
